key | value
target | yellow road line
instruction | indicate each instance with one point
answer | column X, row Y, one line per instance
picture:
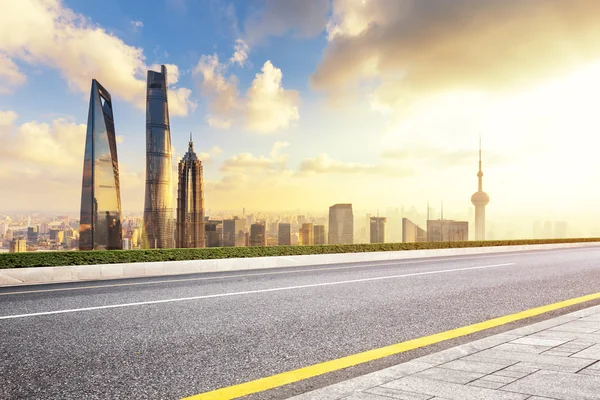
column 285, row 378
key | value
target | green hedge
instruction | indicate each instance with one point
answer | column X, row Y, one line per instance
column 48, row 259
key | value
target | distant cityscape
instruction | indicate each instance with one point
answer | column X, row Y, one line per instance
column 102, row 226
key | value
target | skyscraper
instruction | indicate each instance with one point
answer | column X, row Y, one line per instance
column 190, row 201
column 411, row 232
column 377, row 231
column 284, row 234
column 258, row 235
column 341, row 224
column 214, row 233
column 307, row 237
column 234, row 232
column 319, row 233
column 100, row 218
column 480, row 199
column 158, row 206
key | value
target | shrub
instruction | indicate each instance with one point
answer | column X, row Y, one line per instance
column 60, row 258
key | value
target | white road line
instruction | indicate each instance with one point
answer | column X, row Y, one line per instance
column 252, row 291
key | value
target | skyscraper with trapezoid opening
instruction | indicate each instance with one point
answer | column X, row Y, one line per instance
column 190, row 201
column 100, row 218
column 158, row 205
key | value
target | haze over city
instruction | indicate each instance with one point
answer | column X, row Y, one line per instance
column 301, row 105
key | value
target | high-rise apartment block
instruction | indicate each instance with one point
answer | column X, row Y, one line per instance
column 443, row 230
column 341, row 224
column 100, row 219
column 214, row 233
column 319, row 234
column 158, row 205
column 412, row 233
column 284, row 234
column 307, row 234
column 234, row 232
column 377, row 229
column 18, row 246
column 190, row 201
column 258, row 236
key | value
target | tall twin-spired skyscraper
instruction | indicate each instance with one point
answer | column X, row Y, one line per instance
column 158, row 206
column 190, row 201
column 100, row 219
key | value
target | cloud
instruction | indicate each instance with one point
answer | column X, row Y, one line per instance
column 245, row 162
column 10, row 75
column 79, row 49
column 266, row 107
column 240, row 55
column 324, row 164
column 439, row 157
column 306, row 18
column 411, row 49
column 210, row 155
column 136, row 25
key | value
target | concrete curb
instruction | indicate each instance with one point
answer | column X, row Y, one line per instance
column 41, row 275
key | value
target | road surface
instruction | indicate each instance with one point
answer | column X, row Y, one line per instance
column 172, row 337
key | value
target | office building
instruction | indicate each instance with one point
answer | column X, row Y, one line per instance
column 234, row 232
column 126, row 244
column 480, row 199
column 377, row 229
column 214, row 233
column 44, row 228
column 258, row 235
column 3, row 229
column 32, row 234
column 158, row 203
column 443, row 230
column 100, row 218
column 18, row 246
column 284, row 234
column 58, row 237
column 341, row 224
column 319, row 234
column 307, row 234
column 412, row 233
column 190, row 201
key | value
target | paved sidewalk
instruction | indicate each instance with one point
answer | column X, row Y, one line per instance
column 554, row 359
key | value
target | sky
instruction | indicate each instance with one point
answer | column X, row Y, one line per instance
column 298, row 105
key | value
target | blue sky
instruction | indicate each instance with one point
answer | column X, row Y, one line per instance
column 375, row 102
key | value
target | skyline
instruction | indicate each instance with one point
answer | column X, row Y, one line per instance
column 346, row 152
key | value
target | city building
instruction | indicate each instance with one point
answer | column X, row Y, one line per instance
column 377, row 230
column 44, row 228
column 100, row 217
column 411, row 233
column 214, row 233
column 284, row 234
column 319, row 234
column 307, row 234
column 234, row 232
column 126, row 244
column 158, row 203
column 18, row 246
column 58, row 237
column 32, row 234
column 560, row 230
column 190, row 201
column 443, row 230
column 480, row 199
column 341, row 224
column 258, row 235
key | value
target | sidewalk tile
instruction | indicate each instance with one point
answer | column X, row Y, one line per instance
column 449, row 375
column 558, row 385
column 397, row 394
column 473, row 366
column 577, row 327
column 451, row 391
column 563, row 363
column 592, row 352
column 525, row 348
column 486, row 384
column 539, row 341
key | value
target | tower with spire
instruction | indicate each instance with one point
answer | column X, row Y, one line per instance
column 480, row 199
column 190, row 201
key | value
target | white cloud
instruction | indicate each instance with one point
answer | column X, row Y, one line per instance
column 78, row 48
column 266, row 107
column 415, row 49
column 136, row 24
column 10, row 75
column 324, row 164
column 247, row 162
column 240, row 55
column 210, row 155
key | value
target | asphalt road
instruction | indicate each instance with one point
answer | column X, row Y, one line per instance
column 167, row 338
